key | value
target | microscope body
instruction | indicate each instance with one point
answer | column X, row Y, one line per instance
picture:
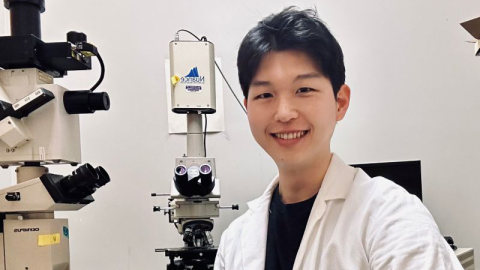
column 39, row 125
column 194, row 197
column 56, row 133
column 31, row 237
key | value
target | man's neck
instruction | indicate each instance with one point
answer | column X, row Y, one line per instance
column 300, row 184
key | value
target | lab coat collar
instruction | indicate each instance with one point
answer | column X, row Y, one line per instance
column 338, row 180
column 336, row 184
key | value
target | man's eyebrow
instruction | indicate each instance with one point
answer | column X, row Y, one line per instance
column 299, row 77
column 308, row 76
column 260, row 83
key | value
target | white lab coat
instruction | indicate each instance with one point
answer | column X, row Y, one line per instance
column 356, row 223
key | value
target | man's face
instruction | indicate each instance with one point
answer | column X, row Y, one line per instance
column 292, row 109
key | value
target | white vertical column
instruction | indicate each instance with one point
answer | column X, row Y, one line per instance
column 195, row 136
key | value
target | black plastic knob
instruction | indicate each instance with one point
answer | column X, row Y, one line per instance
column 76, row 37
column 13, row 196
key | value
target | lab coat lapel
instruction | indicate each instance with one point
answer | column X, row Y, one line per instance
column 254, row 231
column 336, row 185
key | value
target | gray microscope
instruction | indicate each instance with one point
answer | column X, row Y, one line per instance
column 195, row 189
column 39, row 125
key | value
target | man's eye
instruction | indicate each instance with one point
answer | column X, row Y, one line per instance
column 305, row 90
column 264, row 95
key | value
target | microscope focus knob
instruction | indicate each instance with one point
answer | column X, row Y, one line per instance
column 233, row 207
column 12, row 196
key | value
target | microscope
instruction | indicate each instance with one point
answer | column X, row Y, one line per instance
column 195, row 190
column 39, row 125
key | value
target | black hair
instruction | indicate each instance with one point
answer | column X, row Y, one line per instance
column 291, row 29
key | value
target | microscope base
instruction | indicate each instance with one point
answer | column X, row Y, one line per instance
column 35, row 244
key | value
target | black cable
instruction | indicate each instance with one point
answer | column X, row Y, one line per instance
column 231, row 90
column 102, row 74
column 205, row 137
column 224, row 78
column 186, row 31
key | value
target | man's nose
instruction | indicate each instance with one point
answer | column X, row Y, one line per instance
column 286, row 110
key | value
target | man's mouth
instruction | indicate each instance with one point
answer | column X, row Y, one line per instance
column 290, row 135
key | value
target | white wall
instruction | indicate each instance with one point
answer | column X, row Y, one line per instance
column 415, row 96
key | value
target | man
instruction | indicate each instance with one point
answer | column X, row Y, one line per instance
column 318, row 213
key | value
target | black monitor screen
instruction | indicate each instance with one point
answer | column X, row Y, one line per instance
column 405, row 173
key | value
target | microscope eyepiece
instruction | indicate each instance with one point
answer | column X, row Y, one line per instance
column 84, row 181
column 205, row 169
column 206, row 178
column 180, row 170
column 103, row 177
column 83, row 177
column 181, row 181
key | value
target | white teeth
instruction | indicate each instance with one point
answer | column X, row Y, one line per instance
column 289, row 136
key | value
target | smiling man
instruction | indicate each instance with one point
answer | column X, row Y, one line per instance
column 318, row 213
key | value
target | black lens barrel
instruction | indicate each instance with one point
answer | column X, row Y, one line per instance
column 80, row 179
column 206, row 176
column 25, row 17
column 85, row 101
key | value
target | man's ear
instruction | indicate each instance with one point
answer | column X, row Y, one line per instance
column 245, row 103
column 343, row 101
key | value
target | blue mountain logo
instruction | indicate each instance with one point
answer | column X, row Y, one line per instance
column 193, row 77
column 193, row 73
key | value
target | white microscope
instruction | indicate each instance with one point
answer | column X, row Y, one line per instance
column 39, row 125
column 195, row 190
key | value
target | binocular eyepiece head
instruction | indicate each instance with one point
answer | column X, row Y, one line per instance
column 195, row 180
column 77, row 187
column 85, row 180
